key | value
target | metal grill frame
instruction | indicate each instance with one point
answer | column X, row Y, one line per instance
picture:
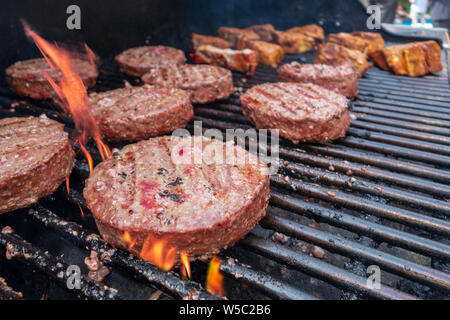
column 387, row 180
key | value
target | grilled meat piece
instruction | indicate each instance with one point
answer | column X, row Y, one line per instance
column 413, row 59
column 300, row 111
column 137, row 61
column 264, row 31
column 293, row 42
column 336, row 55
column 310, row 30
column 35, row 157
column 198, row 40
column 341, row 79
column 212, row 205
column 269, row 54
column 27, row 78
column 204, row 83
column 137, row 113
column 349, row 41
column 376, row 41
column 242, row 60
column 233, row 35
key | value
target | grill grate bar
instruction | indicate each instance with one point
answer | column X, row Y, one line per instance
column 320, row 269
column 262, row 281
column 438, row 95
column 402, row 216
column 338, row 244
column 35, row 257
column 167, row 281
column 361, row 226
column 390, row 105
column 365, row 186
column 403, row 142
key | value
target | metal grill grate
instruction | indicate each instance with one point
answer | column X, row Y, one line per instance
column 380, row 196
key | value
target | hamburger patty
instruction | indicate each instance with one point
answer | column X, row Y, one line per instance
column 153, row 189
column 137, row 113
column 300, row 111
column 342, row 79
column 27, row 78
column 35, row 157
column 205, row 83
column 137, row 61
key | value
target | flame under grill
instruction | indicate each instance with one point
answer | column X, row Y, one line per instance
column 380, row 197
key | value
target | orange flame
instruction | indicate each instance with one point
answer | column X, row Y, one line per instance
column 71, row 91
column 126, row 237
column 159, row 253
column 81, row 210
column 214, row 279
column 186, row 266
column 68, row 185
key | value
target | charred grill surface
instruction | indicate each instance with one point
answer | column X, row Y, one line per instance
column 380, row 196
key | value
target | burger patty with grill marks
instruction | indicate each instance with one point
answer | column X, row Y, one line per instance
column 205, row 83
column 342, row 79
column 300, row 111
column 27, row 78
column 35, row 157
column 137, row 61
column 137, row 113
column 156, row 189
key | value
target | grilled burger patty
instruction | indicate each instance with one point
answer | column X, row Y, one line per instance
column 205, row 83
column 300, row 111
column 342, row 79
column 148, row 189
column 137, row 61
column 27, row 78
column 35, row 157
column 137, row 113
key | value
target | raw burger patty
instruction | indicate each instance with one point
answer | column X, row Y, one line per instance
column 35, row 157
column 300, row 111
column 137, row 61
column 342, row 79
column 27, row 78
column 205, row 83
column 197, row 208
column 137, row 113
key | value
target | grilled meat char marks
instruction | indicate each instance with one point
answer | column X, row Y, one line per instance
column 137, row 113
column 342, row 79
column 301, row 112
column 137, row 61
column 27, row 78
column 197, row 208
column 205, row 83
column 35, row 157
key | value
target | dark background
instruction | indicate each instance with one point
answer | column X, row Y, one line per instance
column 109, row 27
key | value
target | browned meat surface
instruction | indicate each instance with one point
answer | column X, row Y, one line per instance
column 244, row 61
column 310, row 30
column 376, row 41
column 350, row 41
column 27, row 78
column 293, row 42
column 198, row 40
column 153, row 189
column 35, row 157
column 137, row 61
column 336, row 55
column 342, row 79
column 204, row 83
column 413, row 59
column 300, row 111
column 264, row 31
column 269, row 54
column 233, row 35
column 137, row 113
